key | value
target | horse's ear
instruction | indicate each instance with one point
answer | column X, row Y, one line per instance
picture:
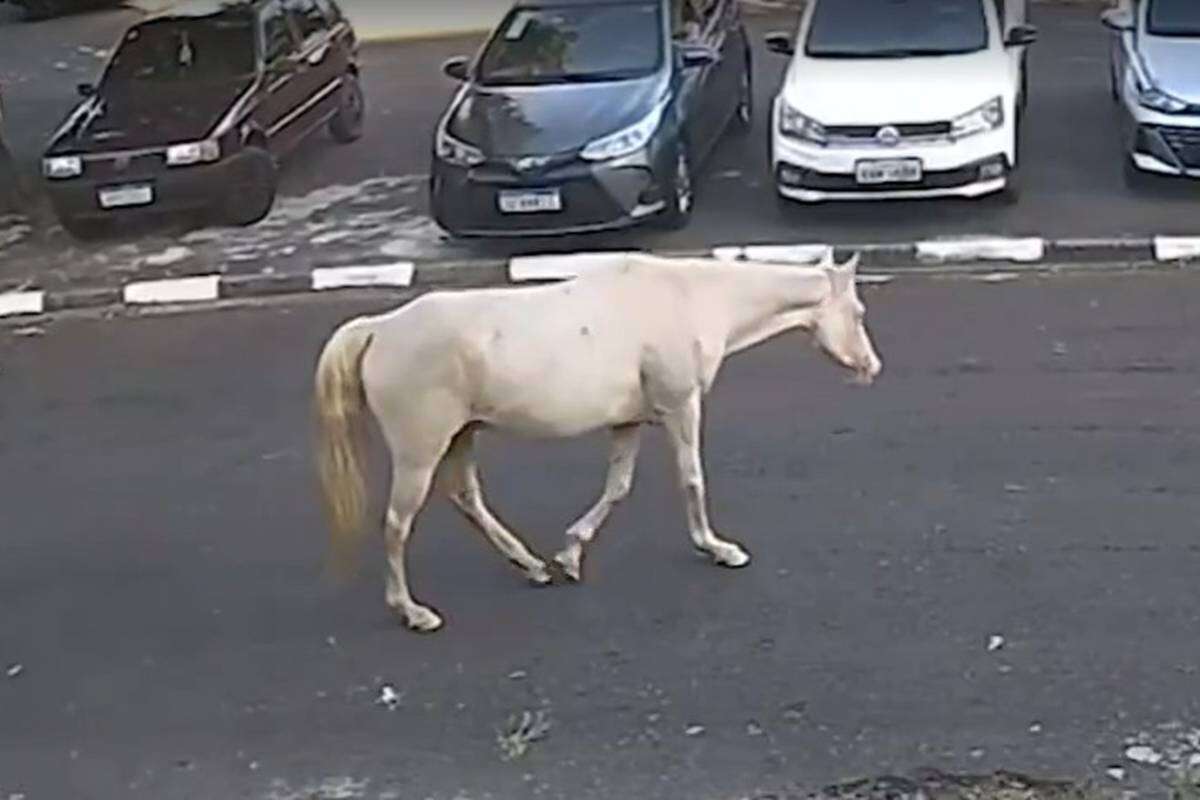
column 851, row 265
column 827, row 259
column 839, row 279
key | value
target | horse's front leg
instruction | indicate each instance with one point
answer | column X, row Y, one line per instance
column 683, row 431
column 621, row 462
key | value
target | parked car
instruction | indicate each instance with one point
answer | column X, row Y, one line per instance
column 890, row 101
column 9, row 182
column 584, row 115
column 196, row 106
column 1155, row 81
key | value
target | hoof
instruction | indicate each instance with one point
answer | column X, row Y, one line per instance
column 422, row 620
column 730, row 555
column 569, row 564
column 540, row 575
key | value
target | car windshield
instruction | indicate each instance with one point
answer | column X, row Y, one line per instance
column 1173, row 18
column 185, row 50
column 574, row 43
column 896, row 28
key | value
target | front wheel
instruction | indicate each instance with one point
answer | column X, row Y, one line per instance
column 681, row 192
column 346, row 126
column 253, row 191
column 743, row 119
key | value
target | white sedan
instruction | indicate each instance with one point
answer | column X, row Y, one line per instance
column 887, row 100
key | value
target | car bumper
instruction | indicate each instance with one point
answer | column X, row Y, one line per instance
column 1166, row 144
column 594, row 197
column 971, row 167
column 174, row 190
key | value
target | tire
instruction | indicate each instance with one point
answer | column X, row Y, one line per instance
column 253, row 192
column 346, row 126
column 681, row 198
column 743, row 115
column 1010, row 195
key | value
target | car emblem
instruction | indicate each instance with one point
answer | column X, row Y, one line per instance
column 530, row 163
column 888, row 136
column 121, row 163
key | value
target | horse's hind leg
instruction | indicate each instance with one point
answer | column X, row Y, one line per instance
column 683, row 430
column 459, row 477
column 410, row 487
column 622, row 459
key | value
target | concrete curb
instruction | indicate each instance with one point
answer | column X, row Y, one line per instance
column 992, row 259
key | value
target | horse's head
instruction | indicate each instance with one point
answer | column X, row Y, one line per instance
column 840, row 328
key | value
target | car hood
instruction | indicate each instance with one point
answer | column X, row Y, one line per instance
column 890, row 90
column 1171, row 62
column 545, row 120
column 126, row 118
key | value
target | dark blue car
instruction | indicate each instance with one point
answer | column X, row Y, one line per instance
column 586, row 115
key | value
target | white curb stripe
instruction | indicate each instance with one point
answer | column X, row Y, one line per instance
column 398, row 274
column 873, row 278
column 1175, row 248
column 981, row 249
column 174, row 290
column 999, row 277
column 554, row 266
column 776, row 253
column 13, row 303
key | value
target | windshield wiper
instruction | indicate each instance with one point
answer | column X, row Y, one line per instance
column 908, row 52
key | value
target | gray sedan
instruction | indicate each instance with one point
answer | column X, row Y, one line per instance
column 1154, row 58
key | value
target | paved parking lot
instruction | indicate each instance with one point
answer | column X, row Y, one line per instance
column 1072, row 169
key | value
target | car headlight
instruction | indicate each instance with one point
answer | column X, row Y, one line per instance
column 987, row 117
column 182, row 155
column 1156, row 99
column 625, row 141
column 794, row 124
column 455, row 152
column 59, row 167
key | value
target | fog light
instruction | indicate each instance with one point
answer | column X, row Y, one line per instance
column 790, row 176
column 992, row 169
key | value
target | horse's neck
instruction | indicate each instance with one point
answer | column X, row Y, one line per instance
column 764, row 301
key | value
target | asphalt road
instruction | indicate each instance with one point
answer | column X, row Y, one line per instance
column 1072, row 161
column 1026, row 468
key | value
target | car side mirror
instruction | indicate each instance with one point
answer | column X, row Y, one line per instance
column 1021, row 36
column 1117, row 19
column 780, row 43
column 85, row 89
column 697, row 55
column 457, row 68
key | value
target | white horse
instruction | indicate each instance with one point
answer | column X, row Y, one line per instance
column 636, row 342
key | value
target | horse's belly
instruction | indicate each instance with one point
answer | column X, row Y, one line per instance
column 563, row 407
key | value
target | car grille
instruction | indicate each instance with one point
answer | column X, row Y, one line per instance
column 1185, row 143
column 907, row 130
column 119, row 166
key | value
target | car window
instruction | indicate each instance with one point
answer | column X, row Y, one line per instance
column 574, row 43
column 278, row 39
column 183, row 50
column 875, row 29
column 1173, row 18
column 309, row 19
column 330, row 10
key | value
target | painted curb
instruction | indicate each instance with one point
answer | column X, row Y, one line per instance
column 991, row 259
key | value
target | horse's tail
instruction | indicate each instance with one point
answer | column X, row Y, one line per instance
column 340, row 402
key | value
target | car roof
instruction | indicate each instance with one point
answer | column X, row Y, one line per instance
column 193, row 9
column 554, row 3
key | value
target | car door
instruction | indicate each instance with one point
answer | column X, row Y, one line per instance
column 700, row 84
column 321, row 63
column 284, row 91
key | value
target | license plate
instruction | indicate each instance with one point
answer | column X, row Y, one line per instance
column 120, row 196
column 530, row 202
column 899, row 170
